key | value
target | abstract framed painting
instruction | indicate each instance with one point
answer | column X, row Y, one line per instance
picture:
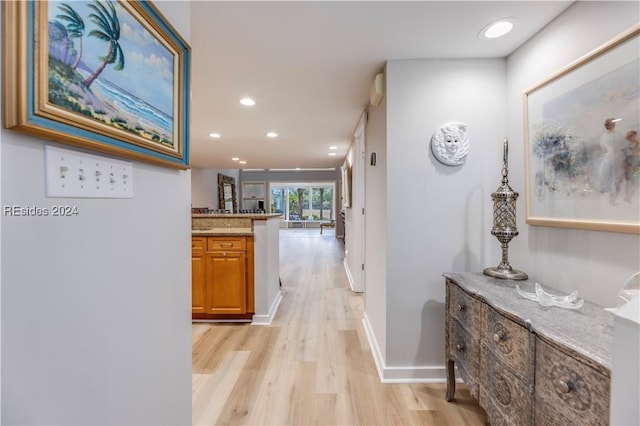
column 582, row 154
column 110, row 76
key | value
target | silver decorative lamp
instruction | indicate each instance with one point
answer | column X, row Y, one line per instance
column 504, row 223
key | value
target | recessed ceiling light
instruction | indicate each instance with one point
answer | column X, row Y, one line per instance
column 333, row 147
column 235, row 159
column 272, row 134
column 243, row 162
column 215, row 135
column 497, row 29
column 332, row 153
column 247, row 102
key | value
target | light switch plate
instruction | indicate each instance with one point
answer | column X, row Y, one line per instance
column 77, row 174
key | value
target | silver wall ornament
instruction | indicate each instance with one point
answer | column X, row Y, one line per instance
column 504, row 222
column 450, row 144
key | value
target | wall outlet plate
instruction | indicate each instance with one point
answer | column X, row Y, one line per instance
column 75, row 174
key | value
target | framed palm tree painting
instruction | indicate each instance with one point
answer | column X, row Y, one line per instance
column 107, row 75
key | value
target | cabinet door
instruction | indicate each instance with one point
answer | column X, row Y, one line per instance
column 253, row 195
column 226, row 283
column 198, row 283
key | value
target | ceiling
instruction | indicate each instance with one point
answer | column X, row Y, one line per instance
column 310, row 66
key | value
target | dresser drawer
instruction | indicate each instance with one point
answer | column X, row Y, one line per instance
column 511, row 343
column 226, row 243
column 546, row 415
column 465, row 350
column 494, row 416
column 198, row 243
column 465, row 309
column 506, row 392
column 569, row 387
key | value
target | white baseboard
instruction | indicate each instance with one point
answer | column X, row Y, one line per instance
column 405, row 374
column 349, row 276
column 373, row 344
column 268, row 318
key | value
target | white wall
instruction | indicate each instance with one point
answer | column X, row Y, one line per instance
column 597, row 264
column 0, row 250
column 204, row 186
column 352, row 238
column 438, row 217
column 96, row 322
column 354, row 247
column 267, row 269
column 375, row 297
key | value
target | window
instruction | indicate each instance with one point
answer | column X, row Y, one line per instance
column 303, row 201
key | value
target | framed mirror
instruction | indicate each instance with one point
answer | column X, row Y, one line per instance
column 227, row 193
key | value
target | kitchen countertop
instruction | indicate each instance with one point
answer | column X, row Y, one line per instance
column 254, row 216
column 221, row 231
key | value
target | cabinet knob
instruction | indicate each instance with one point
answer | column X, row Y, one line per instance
column 460, row 347
column 564, row 386
column 499, row 336
column 461, row 307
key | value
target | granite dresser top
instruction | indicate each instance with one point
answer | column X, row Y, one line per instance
column 587, row 331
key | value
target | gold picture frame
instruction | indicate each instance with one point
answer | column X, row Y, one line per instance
column 111, row 76
column 580, row 127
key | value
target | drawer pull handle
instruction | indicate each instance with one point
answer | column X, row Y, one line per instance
column 498, row 337
column 461, row 307
column 226, row 244
column 460, row 347
column 564, row 386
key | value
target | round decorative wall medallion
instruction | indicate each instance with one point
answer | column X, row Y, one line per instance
column 450, row 144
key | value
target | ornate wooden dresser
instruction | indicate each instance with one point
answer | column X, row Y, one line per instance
column 526, row 365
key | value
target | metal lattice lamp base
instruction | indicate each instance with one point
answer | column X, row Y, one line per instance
column 505, row 273
column 504, row 224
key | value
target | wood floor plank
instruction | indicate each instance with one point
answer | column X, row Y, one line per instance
column 211, row 391
column 313, row 365
column 243, row 396
column 214, row 345
column 302, row 404
column 326, row 408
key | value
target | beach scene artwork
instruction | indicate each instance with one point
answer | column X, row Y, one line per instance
column 105, row 66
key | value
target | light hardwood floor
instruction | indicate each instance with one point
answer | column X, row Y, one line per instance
column 313, row 365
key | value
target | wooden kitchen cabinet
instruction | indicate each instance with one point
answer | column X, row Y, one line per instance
column 226, row 283
column 198, row 245
column 197, row 283
column 222, row 277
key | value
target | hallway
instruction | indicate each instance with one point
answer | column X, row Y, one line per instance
column 313, row 365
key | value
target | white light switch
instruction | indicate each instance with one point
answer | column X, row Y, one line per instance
column 80, row 175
